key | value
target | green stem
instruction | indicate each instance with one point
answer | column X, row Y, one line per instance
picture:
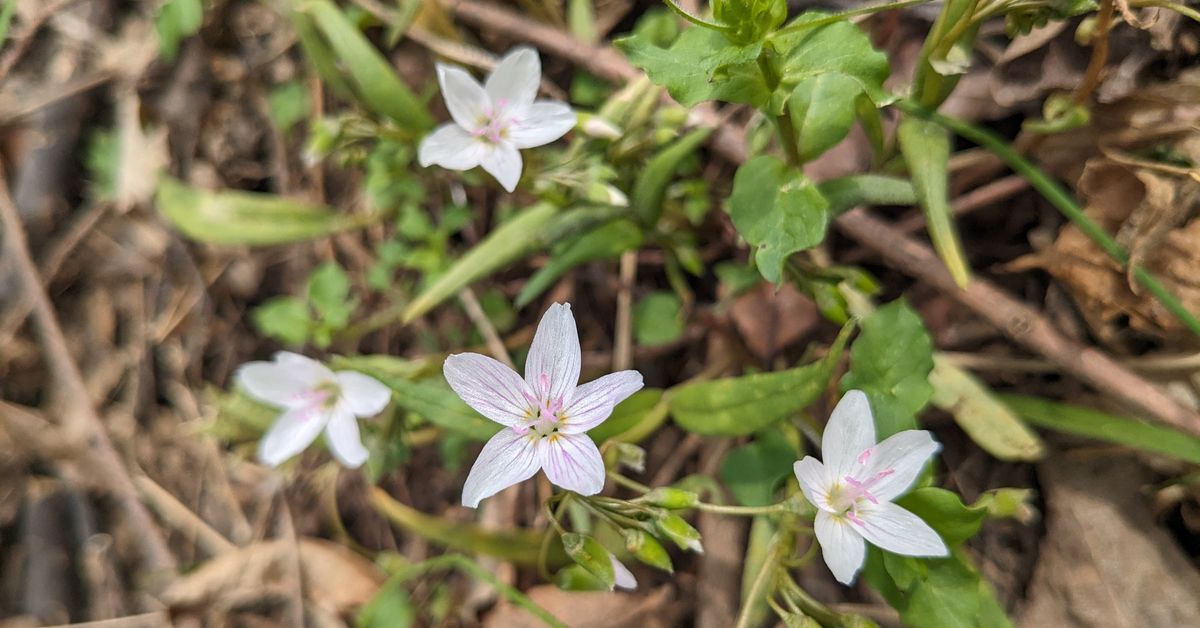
column 698, row 21
column 1185, row 11
column 628, row 483
column 743, row 511
column 1062, row 200
column 757, row 591
column 783, row 121
column 796, row 27
column 808, row 605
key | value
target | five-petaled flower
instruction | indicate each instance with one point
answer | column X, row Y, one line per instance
column 854, row 487
column 313, row 398
column 492, row 121
column 545, row 416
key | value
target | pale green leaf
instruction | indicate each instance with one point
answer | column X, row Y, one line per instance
column 990, row 423
column 778, row 211
column 926, row 149
column 890, row 361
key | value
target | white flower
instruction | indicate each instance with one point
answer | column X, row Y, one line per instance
column 545, row 416
column 492, row 121
column 313, row 399
column 853, row 489
column 624, row 577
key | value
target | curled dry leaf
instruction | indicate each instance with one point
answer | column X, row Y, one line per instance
column 334, row 577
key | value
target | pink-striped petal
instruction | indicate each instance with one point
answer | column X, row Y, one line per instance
column 364, row 396
column 814, row 482
column 491, row 388
column 552, row 367
column 503, row 162
column 468, row 103
column 593, row 402
column 291, row 434
column 541, row 123
column 849, row 432
column 508, row 458
column 892, row 466
column 341, row 434
column 513, row 84
column 624, row 577
column 892, row 528
column 284, row 382
column 573, row 462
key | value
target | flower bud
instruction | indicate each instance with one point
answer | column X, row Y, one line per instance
column 647, row 549
column 680, row 532
column 631, row 457
column 576, row 578
column 591, row 555
column 751, row 20
column 672, row 498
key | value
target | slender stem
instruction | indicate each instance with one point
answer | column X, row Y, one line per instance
column 796, row 27
column 808, row 605
column 1095, row 68
column 743, row 511
column 1185, row 11
column 783, row 121
column 1062, row 200
column 698, row 21
column 769, row 566
column 544, row 548
column 628, row 483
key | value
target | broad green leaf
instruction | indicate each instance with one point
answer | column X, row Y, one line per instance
column 754, row 471
column 374, row 80
column 176, row 21
column 926, row 150
column 737, row 406
column 990, row 423
column 605, row 242
column 285, row 318
column 890, row 361
column 750, row 20
column 329, row 293
column 6, row 15
column 1073, row 419
column 822, row 111
column 945, row 512
column 778, row 211
column 657, row 319
column 506, row 244
column 701, row 65
column 633, row 419
column 935, row 593
column 651, row 184
column 840, row 47
column 321, row 56
column 234, row 217
column 845, row 193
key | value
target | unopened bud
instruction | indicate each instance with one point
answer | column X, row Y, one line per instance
column 647, row 549
column 672, row 498
column 680, row 532
column 591, row 555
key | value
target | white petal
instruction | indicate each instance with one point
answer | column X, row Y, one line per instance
column 624, row 577
column 292, row 432
column 513, row 84
column 503, row 162
column 541, row 123
column 849, row 432
column 814, row 482
column 469, row 105
column 841, row 546
column 593, row 402
column 449, row 146
column 892, row 528
column 365, row 396
column 897, row 462
column 282, row 383
column 508, row 458
column 552, row 366
column 573, row 462
column 490, row 387
column 341, row 434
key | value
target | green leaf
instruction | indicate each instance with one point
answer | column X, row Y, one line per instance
column 288, row 104
column 234, row 217
column 822, row 111
column 926, row 149
column 176, row 21
column 284, row 318
column 945, row 512
column 633, row 419
column 935, row 593
column 750, row 20
column 329, row 294
column 591, row 555
column 891, row 361
column 432, row 399
column 657, row 319
column 991, row 424
column 737, row 406
column 701, row 65
column 845, row 193
column 372, row 76
column 390, row 607
column 1073, row 419
column 605, row 242
column 754, row 471
column 778, row 211
column 840, row 47
column 505, row 244
column 651, row 184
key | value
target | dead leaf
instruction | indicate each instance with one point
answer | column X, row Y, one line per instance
column 590, row 609
column 334, row 577
column 770, row 320
column 1105, row 561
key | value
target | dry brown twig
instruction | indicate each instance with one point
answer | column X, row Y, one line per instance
column 1020, row 322
column 79, row 416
